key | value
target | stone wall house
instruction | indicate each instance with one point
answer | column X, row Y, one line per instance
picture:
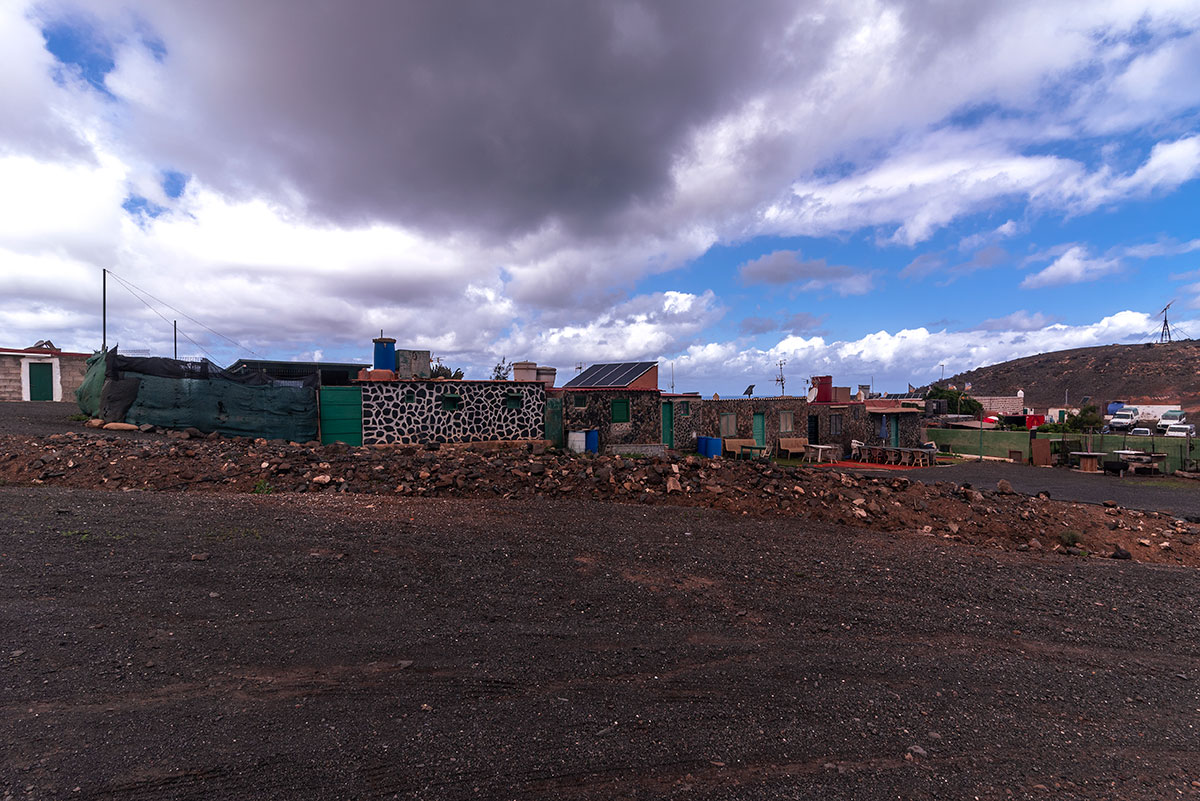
column 734, row 418
column 624, row 416
column 417, row 412
column 839, row 424
column 40, row 373
column 686, row 420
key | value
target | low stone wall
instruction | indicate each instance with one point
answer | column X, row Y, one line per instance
column 412, row 412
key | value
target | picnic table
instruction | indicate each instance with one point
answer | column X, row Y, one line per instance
column 818, row 453
column 1089, row 461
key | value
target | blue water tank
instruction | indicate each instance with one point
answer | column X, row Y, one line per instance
column 591, row 442
column 714, row 447
column 385, row 353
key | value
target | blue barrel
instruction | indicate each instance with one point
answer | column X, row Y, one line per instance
column 591, row 441
column 704, row 446
column 714, row 447
column 385, row 353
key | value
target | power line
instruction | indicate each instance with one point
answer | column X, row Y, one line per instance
column 212, row 358
column 183, row 314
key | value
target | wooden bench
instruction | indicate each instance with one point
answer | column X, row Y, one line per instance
column 789, row 446
column 733, row 447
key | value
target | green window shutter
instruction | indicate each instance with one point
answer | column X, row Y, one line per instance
column 580, row 400
column 512, row 401
column 451, row 402
column 620, row 411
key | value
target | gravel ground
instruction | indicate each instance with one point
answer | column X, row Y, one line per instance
column 172, row 646
column 42, row 418
column 1178, row 496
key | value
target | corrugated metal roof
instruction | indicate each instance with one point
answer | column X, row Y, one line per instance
column 618, row 374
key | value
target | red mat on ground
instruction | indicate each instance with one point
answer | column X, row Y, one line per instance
column 865, row 465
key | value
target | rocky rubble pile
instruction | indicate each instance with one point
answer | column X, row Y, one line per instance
column 992, row 517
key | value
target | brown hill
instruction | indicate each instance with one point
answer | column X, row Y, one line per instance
column 1147, row 373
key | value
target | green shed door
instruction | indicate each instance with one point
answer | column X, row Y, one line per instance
column 341, row 415
column 760, row 429
column 668, row 425
column 554, row 421
column 41, row 382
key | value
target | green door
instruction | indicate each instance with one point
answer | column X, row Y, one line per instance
column 814, row 427
column 894, row 424
column 341, row 415
column 554, row 421
column 668, row 420
column 760, row 429
column 41, row 382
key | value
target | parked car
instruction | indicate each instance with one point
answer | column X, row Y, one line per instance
column 1142, row 432
column 1171, row 418
column 1125, row 419
column 1181, row 430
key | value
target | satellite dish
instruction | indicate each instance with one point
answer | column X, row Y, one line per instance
column 749, row 391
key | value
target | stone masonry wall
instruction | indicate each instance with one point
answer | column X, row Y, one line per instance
column 746, row 408
column 686, row 425
column 389, row 418
column 10, row 378
column 645, row 415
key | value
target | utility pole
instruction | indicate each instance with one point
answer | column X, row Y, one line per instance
column 672, row 377
column 175, row 331
column 104, row 308
column 943, row 378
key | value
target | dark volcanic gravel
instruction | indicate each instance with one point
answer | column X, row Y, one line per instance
column 172, row 645
column 1177, row 496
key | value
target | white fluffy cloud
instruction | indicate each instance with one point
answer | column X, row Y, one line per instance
column 1072, row 267
column 892, row 360
column 500, row 182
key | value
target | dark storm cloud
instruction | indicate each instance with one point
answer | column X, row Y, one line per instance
column 799, row 323
column 788, row 266
column 479, row 116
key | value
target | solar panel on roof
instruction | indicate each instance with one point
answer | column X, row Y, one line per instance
column 617, row 374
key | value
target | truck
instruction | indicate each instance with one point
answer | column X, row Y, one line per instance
column 1170, row 418
column 1124, row 418
column 1128, row 417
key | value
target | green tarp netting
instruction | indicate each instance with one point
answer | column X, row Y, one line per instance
column 174, row 394
column 88, row 394
column 216, row 404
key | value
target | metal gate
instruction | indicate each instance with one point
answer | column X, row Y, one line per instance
column 341, row 415
column 554, row 421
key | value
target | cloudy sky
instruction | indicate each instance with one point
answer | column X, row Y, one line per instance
column 868, row 189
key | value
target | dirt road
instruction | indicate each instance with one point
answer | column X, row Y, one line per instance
column 171, row 645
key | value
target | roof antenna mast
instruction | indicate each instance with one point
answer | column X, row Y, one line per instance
column 779, row 379
column 1165, row 336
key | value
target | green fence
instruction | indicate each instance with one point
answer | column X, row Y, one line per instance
column 965, row 442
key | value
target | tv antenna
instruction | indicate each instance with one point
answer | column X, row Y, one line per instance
column 1165, row 336
column 779, row 379
column 578, row 368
